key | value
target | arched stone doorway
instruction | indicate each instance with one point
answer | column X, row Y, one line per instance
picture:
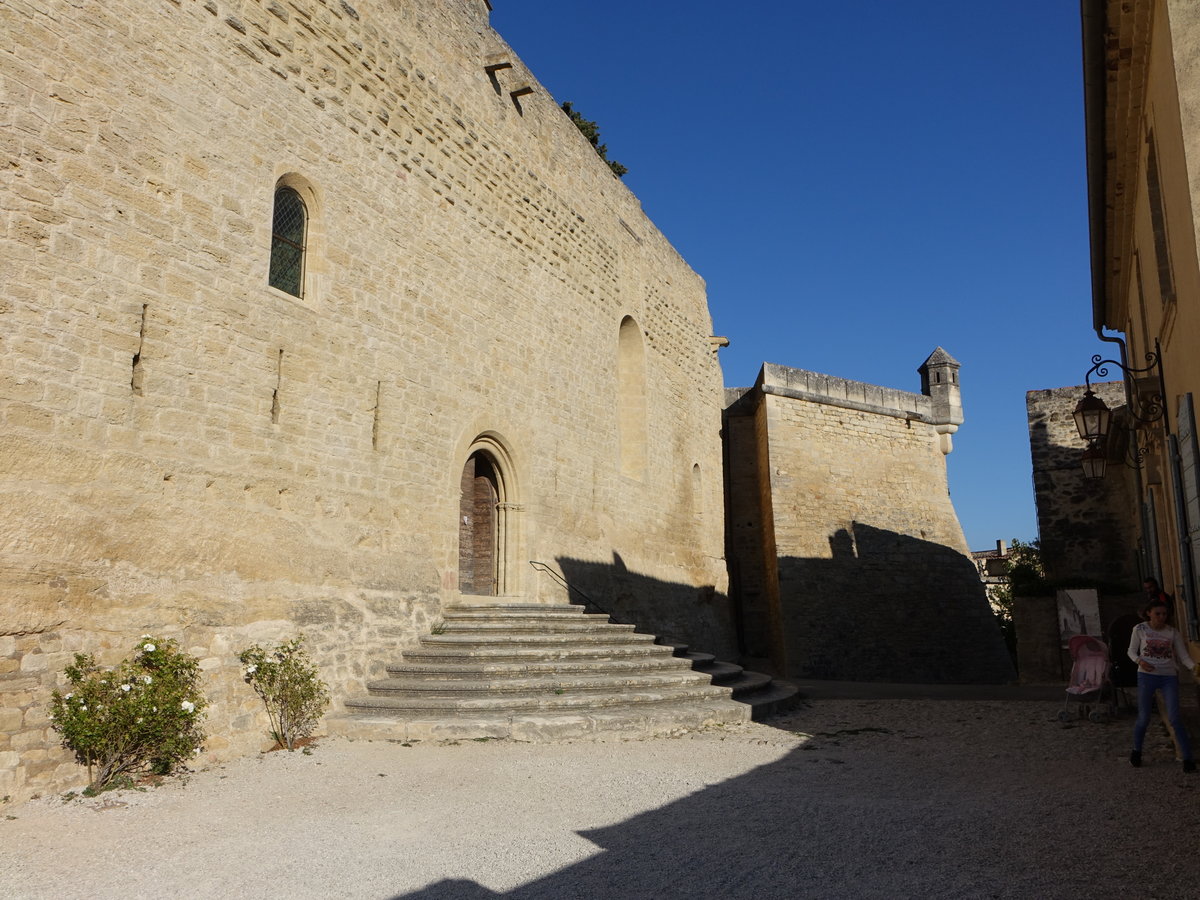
column 486, row 532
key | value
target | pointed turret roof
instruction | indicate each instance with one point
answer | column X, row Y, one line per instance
column 939, row 357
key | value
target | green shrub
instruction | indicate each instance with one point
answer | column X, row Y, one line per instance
column 291, row 688
column 144, row 715
column 591, row 131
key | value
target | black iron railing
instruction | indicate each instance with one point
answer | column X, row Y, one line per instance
column 589, row 603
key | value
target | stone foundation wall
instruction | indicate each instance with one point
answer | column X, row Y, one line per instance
column 185, row 450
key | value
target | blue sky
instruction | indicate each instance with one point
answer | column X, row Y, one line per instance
column 859, row 182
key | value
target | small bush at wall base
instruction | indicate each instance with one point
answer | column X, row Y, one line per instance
column 290, row 687
column 144, row 715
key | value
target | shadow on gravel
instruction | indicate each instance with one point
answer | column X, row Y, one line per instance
column 830, row 821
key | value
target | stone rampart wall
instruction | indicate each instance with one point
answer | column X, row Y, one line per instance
column 185, row 450
column 875, row 581
column 830, row 390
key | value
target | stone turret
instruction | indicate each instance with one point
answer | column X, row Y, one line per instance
column 939, row 382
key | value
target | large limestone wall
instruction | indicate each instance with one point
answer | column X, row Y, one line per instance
column 186, row 450
column 874, row 578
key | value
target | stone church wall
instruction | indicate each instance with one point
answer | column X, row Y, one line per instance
column 189, row 452
column 873, row 579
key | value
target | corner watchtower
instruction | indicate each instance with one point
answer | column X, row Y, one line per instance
column 939, row 382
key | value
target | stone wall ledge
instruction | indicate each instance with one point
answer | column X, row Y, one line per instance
column 897, row 412
column 785, row 381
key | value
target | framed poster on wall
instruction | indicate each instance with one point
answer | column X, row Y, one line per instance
column 1078, row 613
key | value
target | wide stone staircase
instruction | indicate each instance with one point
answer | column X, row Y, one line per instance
column 543, row 673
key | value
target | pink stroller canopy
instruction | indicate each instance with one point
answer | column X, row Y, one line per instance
column 1090, row 670
column 1083, row 646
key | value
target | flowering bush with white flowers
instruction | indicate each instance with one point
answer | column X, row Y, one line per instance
column 144, row 715
column 290, row 686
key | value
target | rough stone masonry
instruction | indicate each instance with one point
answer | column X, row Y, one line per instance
column 480, row 353
column 187, row 450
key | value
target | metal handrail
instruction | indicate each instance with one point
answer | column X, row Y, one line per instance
column 588, row 601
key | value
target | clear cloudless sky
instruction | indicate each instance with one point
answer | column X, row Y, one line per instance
column 859, row 182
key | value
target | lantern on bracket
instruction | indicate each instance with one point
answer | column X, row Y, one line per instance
column 1093, row 418
column 1095, row 461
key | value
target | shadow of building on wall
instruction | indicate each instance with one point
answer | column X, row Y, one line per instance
column 888, row 607
column 696, row 615
column 846, row 557
column 881, row 606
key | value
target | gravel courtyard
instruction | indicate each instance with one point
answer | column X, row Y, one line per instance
column 841, row 798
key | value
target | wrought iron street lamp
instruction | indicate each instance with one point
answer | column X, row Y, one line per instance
column 1093, row 417
column 1094, row 460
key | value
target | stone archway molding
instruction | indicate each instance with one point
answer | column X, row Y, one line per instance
column 509, row 509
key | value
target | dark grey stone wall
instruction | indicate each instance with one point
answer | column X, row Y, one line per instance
column 1087, row 528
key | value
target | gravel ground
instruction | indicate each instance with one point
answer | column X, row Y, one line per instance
column 840, row 799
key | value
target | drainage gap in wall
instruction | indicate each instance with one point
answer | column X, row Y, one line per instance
column 135, row 379
column 275, row 393
column 375, row 419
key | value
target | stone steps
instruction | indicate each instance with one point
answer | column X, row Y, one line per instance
column 467, row 651
column 766, row 695
column 530, row 625
column 485, row 667
column 507, row 637
column 533, row 672
column 514, row 614
column 542, row 727
column 554, row 682
column 465, row 702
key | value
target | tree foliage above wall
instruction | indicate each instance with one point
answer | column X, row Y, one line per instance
column 1026, row 574
column 591, row 131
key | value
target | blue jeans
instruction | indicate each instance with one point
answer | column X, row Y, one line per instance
column 1169, row 685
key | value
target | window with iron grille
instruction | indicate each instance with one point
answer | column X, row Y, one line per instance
column 287, row 242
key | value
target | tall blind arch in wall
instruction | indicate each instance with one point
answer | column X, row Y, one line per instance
column 289, row 226
column 631, row 398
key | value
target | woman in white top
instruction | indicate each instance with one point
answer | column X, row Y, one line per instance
column 1157, row 648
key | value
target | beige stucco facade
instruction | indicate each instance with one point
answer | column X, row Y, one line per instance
column 185, row 450
column 1142, row 76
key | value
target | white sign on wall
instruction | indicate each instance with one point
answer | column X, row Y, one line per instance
column 1078, row 613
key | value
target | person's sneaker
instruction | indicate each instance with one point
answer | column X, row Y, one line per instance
column 1135, row 758
column 1189, row 765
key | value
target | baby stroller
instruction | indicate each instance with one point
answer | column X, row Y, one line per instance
column 1091, row 688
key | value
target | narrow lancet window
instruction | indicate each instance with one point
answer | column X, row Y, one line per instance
column 287, row 242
